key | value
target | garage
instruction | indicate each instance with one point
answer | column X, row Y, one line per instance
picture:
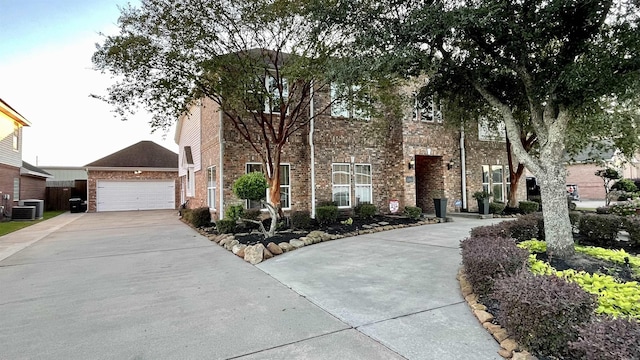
column 135, row 195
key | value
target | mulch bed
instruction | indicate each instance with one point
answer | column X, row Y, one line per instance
column 252, row 236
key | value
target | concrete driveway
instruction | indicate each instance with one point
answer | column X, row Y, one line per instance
column 142, row 285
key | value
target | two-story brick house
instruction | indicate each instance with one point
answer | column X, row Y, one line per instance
column 18, row 179
column 340, row 157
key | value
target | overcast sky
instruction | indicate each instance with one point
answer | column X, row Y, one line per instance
column 46, row 75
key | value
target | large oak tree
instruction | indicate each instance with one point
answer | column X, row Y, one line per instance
column 571, row 66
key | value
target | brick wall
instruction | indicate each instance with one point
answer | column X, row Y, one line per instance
column 590, row 186
column 95, row 175
column 32, row 188
column 7, row 176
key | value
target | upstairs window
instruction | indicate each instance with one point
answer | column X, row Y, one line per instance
column 344, row 102
column 211, row 187
column 275, row 99
column 430, row 112
column 491, row 131
column 16, row 136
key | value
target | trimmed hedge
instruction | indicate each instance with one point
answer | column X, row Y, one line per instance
column 327, row 215
column 496, row 207
column 487, row 258
column 632, row 225
column 600, row 229
column 199, row 217
column 413, row 212
column 300, row 220
column 542, row 311
column 528, row 207
column 226, row 226
column 365, row 210
column 607, row 339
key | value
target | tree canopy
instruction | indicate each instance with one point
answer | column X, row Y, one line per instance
column 569, row 70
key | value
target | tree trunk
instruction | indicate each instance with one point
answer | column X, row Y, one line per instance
column 557, row 227
column 274, row 199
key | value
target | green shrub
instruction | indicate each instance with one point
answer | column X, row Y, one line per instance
column 542, row 311
column 600, row 229
column 526, row 227
column 496, row 207
column 625, row 208
column 226, row 226
column 495, row 230
column 412, row 212
column 234, row 212
column 300, row 220
column 251, row 186
column 528, row 207
column 326, row 215
column 327, row 203
column 485, row 259
column 187, row 214
column 603, row 210
column 632, row 225
column 200, row 217
column 574, row 219
column 626, row 185
column 365, row 210
column 607, row 339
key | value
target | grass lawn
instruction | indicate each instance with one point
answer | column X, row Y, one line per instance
column 11, row 226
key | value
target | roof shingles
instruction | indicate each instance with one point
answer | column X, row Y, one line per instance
column 145, row 154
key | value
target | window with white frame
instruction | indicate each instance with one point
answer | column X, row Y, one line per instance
column 430, row 112
column 341, row 184
column 363, row 186
column 275, row 98
column 191, row 181
column 285, row 186
column 496, row 181
column 344, row 102
column 491, row 131
column 16, row 189
column 16, row 136
column 211, row 187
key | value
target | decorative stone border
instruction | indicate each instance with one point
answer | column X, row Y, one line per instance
column 508, row 347
column 255, row 254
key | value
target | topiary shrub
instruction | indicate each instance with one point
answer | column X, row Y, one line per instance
column 496, row 207
column 326, row 215
column 300, row 220
column 632, row 225
column 365, row 210
column 485, row 259
column 412, row 212
column 528, row 207
column 234, row 212
column 600, row 229
column 251, row 186
column 200, row 217
column 607, row 339
column 226, row 226
column 542, row 311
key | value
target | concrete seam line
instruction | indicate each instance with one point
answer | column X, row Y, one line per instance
column 409, row 314
column 415, row 243
column 289, row 343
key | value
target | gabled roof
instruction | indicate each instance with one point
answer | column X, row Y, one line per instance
column 12, row 113
column 28, row 169
column 145, row 154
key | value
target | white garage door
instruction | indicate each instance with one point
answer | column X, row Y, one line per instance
column 135, row 195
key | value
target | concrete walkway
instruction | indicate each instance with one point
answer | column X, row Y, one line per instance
column 142, row 285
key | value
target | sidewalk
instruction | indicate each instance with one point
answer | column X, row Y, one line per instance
column 14, row 242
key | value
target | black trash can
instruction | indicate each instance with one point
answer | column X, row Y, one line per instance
column 75, row 205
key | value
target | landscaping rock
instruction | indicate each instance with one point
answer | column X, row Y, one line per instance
column 505, row 353
column 231, row 243
column 285, row 246
column 483, row 316
column 239, row 250
column 477, row 306
column 523, row 355
column 267, row 254
column 254, row 254
column 274, row 249
column 491, row 327
column 297, row 243
column 466, row 290
column 500, row 335
column 509, row 344
column 306, row 240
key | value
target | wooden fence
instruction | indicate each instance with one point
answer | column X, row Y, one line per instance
column 57, row 196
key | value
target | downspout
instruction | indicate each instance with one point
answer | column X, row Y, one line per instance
column 313, row 155
column 463, row 169
column 221, row 166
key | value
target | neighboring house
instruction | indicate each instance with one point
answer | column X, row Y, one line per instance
column 66, row 183
column 18, row 180
column 143, row 176
column 338, row 158
column 581, row 172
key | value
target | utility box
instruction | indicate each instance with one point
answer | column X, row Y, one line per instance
column 39, row 205
column 23, row 213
